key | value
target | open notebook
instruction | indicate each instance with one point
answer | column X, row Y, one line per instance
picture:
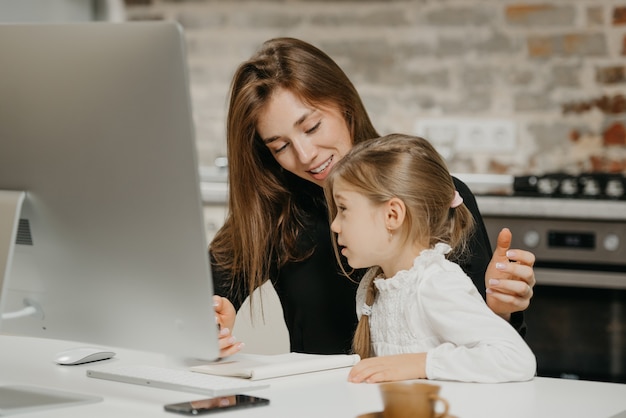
column 257, row 367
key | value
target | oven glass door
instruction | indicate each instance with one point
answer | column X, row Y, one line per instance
column 578, row 332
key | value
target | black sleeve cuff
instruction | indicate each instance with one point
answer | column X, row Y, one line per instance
column 517, row 322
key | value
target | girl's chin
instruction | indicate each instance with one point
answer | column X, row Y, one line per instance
column 354, row 263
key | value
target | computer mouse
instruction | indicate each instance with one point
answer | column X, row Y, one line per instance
column 82, row 355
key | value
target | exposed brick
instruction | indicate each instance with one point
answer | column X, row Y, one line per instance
column 460, row 16
column 499, row 43
column 191, row 20
column 602, row 163
column 414, row 58
column 615, row 134
column 619, row 15
column 595, row 16
column 376, row 18
column 550, row 134
column 453, row 46
column 566, row 75
column 611, row 75
column 472, row 101
column 540, row 47
column 434, row 78
column 531, row 102
column 606, row 104
column 477, row 76
column 407, row 49
column 585, row 44
column 520, row 77
column 575, row 44
column 357, row 58
column 540, row 15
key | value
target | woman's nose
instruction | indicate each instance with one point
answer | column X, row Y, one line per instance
column 305, row 150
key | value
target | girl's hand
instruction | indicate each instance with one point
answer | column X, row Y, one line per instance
column 389, row 368
column 509, row 278
column 225, row 316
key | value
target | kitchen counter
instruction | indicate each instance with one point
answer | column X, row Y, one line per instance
column 545, row 207
column 214, row 185
column 494, row 194
column 216, row 192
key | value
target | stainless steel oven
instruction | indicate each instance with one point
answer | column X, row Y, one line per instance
column 577, row 317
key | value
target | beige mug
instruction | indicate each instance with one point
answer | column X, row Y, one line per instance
column 412, row 400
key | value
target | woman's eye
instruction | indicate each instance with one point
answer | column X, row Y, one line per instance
column 281, row 148
column 314, row 128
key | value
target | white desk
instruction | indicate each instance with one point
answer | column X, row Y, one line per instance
column 325, row 394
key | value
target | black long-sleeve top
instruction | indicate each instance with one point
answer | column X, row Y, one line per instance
column 318, row 301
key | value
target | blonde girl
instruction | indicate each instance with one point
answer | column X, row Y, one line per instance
column 394, row 208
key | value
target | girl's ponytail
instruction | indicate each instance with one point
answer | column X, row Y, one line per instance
column 362, row 342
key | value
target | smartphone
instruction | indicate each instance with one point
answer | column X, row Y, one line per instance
column 220, row 403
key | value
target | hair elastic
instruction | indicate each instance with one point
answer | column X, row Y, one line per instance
column 366, row 309
column 457, row 200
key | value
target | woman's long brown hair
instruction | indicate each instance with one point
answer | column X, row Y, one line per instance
column 267, row 205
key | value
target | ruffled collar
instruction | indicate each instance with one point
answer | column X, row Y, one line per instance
column 425, row 258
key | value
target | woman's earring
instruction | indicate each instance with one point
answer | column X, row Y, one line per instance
column 390, row 234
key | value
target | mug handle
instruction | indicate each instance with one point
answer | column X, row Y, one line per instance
column 446, row 406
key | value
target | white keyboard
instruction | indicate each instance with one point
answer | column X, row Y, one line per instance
column 182, row 380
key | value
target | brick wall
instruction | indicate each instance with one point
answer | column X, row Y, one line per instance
column 556, row 69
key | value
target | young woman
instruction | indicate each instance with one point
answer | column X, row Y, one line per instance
column 394, row 208
column 293, row 114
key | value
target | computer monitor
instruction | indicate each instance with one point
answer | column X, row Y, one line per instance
column 99, row 186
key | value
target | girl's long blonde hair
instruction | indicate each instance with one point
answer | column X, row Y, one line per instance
column 408, row 168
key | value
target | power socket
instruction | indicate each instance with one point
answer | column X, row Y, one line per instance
column 483, row 135
column 486, row 135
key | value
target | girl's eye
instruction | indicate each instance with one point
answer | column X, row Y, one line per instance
column 314, row 128
column 341, row 208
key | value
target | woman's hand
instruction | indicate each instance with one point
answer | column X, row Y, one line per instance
column 389, row 368
column 225, row 316
column 509, row 278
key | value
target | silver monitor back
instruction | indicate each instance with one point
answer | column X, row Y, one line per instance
column 96, row 128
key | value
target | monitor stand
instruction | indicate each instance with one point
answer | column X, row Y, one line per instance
column 10, row 209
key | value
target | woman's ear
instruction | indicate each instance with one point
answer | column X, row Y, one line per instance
column 395, row 213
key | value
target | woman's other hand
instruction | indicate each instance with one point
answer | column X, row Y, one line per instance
column 509, row 278
column 225, row 316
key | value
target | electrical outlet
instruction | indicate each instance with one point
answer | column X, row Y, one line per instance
column 450, row 135
column 486, row 135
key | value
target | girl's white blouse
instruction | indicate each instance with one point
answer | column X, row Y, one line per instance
column 435, row 308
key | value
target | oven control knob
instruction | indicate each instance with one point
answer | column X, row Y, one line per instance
column 611, row 242
column 531, row 238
